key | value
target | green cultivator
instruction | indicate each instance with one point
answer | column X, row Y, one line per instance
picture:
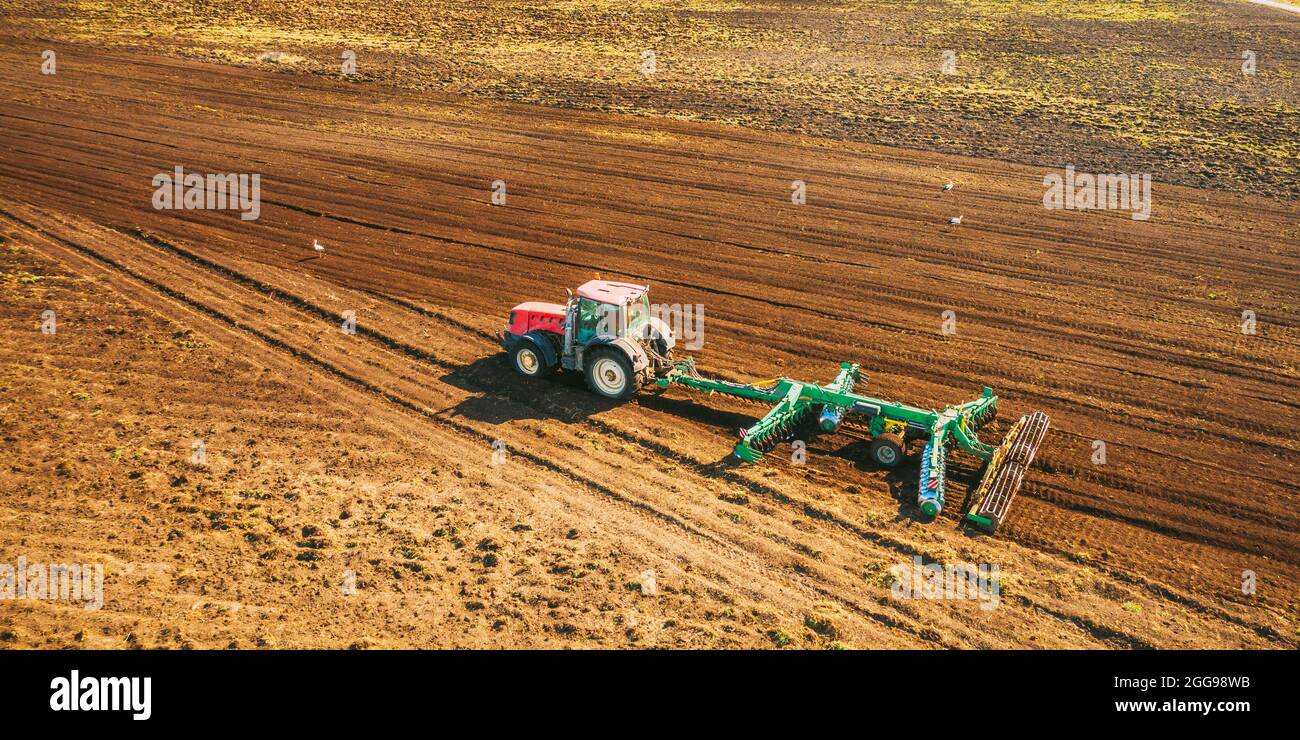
column 891, row 426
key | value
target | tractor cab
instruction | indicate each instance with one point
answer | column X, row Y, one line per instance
column 605, row 330
column 609, row 309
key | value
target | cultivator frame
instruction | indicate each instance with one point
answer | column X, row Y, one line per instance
column 891, row 426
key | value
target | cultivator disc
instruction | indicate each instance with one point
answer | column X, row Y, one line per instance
column 933, row 463
column 984, row 416
column 790, row 412
column 1006, row 470
column 779, row 425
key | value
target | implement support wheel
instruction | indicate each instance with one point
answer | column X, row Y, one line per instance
column 887, row 449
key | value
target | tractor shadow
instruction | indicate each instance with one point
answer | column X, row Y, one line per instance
column 690, row 408
column 502, row 395
column 727, row 422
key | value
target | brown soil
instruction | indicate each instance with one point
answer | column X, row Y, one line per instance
column 371, row 453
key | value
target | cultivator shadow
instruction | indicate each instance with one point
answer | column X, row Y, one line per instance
column 891, row 425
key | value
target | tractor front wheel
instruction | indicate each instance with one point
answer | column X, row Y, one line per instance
column 529, row 360
column 609, row 374
column 888, row 449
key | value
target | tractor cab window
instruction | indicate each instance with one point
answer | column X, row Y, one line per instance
column 638, row 316
column 596, row 319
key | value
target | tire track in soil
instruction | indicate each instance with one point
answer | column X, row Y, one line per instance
column 922, row 363
column 1245, row 423
column 1102, row 633
column 923, row 360
column 718, row 549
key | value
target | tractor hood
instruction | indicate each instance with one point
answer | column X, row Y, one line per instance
column 536, row 316
column 549, row 309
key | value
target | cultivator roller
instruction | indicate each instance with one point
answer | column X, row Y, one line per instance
column 1005, row 470
column 892, row 425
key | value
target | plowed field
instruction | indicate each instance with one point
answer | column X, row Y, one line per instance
column 332, row 453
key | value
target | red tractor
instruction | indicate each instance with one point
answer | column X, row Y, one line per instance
column 606, row 331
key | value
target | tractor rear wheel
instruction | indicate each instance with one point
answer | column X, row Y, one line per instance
column 609, row 374
column 888, row 449
column 529, row 360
